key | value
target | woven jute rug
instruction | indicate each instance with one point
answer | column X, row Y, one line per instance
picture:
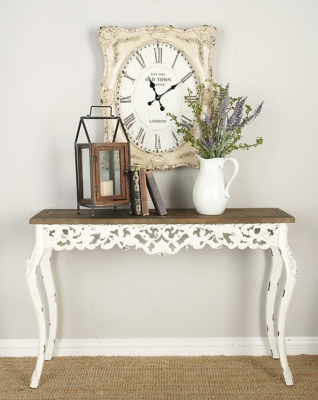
column 159, row 378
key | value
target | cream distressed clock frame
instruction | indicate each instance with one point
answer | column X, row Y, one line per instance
column 183, row 58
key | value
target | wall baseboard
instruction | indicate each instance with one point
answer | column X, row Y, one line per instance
column 159, row 347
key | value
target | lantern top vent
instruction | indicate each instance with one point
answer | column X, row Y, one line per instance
column 118, row 125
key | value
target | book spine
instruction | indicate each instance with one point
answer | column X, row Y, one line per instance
column 155, row 194
column 135, row 194
column 143, row 192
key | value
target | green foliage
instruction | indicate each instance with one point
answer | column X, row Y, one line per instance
column 219, row 122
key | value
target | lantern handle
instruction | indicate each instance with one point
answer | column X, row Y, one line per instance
column 91, row 109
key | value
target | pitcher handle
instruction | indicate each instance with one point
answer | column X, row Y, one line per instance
column 236, row 165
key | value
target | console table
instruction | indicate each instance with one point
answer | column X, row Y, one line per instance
column 254, row 228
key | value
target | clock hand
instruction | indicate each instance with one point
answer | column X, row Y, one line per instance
column 158, row 97
column 171, row 88
column 152, row 85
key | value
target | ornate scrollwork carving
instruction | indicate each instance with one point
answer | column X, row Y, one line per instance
column 158, row 162
column 161, row 239
column 158, row 32
column 206, row 35
column 188, row 154
column 110, row 35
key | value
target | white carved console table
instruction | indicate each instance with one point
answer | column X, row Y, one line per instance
column 179, row 229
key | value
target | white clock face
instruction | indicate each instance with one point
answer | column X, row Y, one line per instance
column 155, row 81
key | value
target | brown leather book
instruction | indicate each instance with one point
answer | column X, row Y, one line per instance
column 155, row 194
column 143, row 192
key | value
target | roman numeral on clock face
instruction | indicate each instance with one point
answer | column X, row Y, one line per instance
column 125, row 99
column 158, row 54
column 128, row 77
column 129, row 121
column 141, row 136
column 185, row 120
column 186, row 77
column 175, row 60
column 176, row 141
column 190, row 98
column 157, row 142
column 140, row 60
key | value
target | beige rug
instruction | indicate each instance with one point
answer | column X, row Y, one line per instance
column 159, row 378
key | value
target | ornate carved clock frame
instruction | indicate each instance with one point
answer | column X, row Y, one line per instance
column 120, row 46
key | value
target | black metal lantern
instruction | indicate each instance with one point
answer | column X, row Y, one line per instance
column 102, row 177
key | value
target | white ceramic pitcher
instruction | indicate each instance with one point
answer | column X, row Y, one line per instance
column 210, row 191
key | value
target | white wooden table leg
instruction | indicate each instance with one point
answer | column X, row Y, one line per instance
column 272, row 287
column 32, row 269
column 291, row 277
column 51, row 298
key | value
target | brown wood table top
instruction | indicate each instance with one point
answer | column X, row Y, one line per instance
column 174, row 216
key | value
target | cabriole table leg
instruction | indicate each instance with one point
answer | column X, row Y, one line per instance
column 31, row 272
column 291, row 277
column 51, row 298
column 272, row 288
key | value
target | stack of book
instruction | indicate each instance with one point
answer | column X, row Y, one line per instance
column 141, row 180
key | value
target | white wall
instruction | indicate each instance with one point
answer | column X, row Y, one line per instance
column 50, row 72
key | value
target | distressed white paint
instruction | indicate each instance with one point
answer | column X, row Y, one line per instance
column 161, row 240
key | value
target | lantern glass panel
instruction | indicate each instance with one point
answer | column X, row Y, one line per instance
column 109, row 169
column 85, row 162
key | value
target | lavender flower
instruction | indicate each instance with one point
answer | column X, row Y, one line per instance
column 256, row 113
column 219, row 133
column 235, row 120
column 208, row 121
column 224, row 103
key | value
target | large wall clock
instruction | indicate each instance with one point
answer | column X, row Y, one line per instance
column 148, row 72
